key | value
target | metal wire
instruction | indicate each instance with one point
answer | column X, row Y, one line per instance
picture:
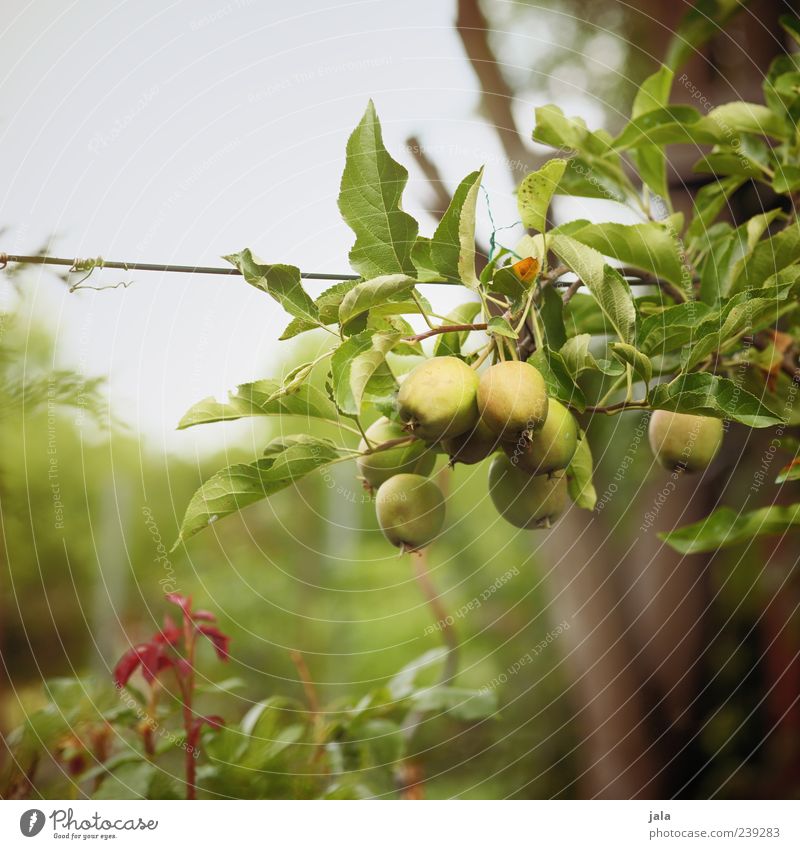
column 84, row 265
column 89, row 265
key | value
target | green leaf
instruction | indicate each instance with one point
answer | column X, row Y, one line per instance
column 292, row 381
column 704, row 20
column 672, row 328
column 466, row 705
column 370, row 367
column 789, row 473
column 639, row 362
column 726, row 528
column 709, row 203
column 553, row 128
column 576, row 356
column 727, row 165
column 240, row 485
column 283, row 282
column 787, row 179
column 359, row 371
column 606, row 284
column 423, row 262
column 551, row 311
column 557, row 378
column 583, row 179
column 401, row 685
column 782, row 88
column 670, row 125
column 129, row 781
column 382, row 740
column 583, row 315
column 452, row 248
column 450, row 344
column 327, row 306
column 579, row 476
column 499, row 326
column 650, row 159
column 363, row 297
column 506, row 282
column 262, row 399
column 536, row 191
column 369, row 200
column 395, row 325
column 704, row 394
column 791, row 25
column 739, row 117
column 653, row 93
column 653, row 247
column 746, row 312
column 768, row 257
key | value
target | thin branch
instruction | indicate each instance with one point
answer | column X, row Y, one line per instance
column 572, row 289
column 445, row 328
column 309, row 687
column 496, row 94
column 619, row 407
column 391, row 443
column 431, row 171
column 450, row 667
column 643, row 278
column 555, row 273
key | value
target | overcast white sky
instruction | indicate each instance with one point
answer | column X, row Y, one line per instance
column 180, row 132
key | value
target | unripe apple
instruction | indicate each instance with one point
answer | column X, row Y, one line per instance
column 473, row 446
column 550, row 449
column 526, row 501
column 684, row 441
column 438, row 399
column 410, row 510
column 512, row 399
column 411, row 457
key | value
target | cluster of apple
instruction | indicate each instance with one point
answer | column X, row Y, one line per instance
column 445, row 406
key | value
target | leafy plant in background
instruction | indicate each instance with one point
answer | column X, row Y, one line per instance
column 162, row 652
column 90, row 740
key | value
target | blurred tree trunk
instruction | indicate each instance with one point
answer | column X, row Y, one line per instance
column 670, row 594
column 639, row 636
